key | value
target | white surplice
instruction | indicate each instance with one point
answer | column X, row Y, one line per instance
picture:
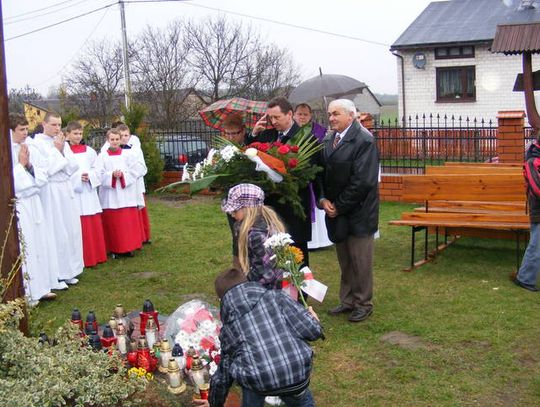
column 114, row 196
column 60, row 208
column 86, row 196
column 136, row 150
column 39, row 279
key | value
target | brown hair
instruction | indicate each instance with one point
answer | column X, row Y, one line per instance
column 284, row 105
column 122, row 127
column 17, row 119
column 228, row 279
column 234, row 120
column 48, row 115
column 112, row 131
column 299, row 105
column 71, row 126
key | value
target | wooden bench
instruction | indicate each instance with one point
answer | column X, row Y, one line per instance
column 490, row 203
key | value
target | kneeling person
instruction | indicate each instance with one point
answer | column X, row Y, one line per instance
column 257, row 323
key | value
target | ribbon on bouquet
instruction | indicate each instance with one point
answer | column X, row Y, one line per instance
column 266, row 163
column 314, row 288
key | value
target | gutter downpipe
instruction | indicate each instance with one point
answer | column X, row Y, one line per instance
column 402, row 85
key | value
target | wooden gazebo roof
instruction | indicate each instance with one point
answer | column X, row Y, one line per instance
column 513, row 39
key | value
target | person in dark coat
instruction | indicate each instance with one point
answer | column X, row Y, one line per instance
column 263, row 344
column 530, row 265
column 347, row 190
column 280, row 114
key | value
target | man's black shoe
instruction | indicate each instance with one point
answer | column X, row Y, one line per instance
column 360, row 314
column 529, row 287
column 340, row 309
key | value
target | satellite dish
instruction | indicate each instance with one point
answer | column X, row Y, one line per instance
column 419, row 60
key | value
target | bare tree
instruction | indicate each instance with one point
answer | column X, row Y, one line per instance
column 161, row 73
column 219, row 53
column 272, row 72
column 95, row 82
column 17, row 97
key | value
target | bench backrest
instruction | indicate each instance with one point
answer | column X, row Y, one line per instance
column 471, row 169
column 470, row 187
column 477, row 164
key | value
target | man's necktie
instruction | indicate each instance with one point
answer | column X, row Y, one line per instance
column 337, row 138
column 280, row 136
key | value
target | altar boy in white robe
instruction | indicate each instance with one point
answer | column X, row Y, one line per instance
column 118, row 197
column 59, row 203
column 27, row 181
column 85, row 185
column 131, row 142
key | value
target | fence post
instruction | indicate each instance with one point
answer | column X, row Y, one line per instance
column 510, row 136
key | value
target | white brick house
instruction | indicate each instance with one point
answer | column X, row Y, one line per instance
column 448, row 68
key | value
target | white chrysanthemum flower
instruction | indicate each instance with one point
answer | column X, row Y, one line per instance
column 278, row 240
column 197, row 173
column 228, row 152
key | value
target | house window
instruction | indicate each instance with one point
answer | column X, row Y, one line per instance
column 456, row 84
column 466, row 51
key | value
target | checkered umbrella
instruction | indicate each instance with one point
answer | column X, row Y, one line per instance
column 251, row 110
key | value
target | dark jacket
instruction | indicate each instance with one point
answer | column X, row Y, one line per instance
column 299, row 229
column 263, row 343
column 534, row 202
column 350, row 181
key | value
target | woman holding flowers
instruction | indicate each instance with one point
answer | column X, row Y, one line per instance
column 255, row 223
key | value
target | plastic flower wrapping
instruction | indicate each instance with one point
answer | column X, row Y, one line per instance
column 277, row 168
column 196, row 323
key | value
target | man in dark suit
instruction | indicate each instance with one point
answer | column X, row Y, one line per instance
column 347, row 190
column 280, row 114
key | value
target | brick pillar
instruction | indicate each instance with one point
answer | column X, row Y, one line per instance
column 510, row 137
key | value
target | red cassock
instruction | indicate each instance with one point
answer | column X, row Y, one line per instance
column 122, row 229
column 121, row 219
column 94, row 249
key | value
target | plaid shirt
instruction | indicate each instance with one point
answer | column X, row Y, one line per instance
column 263, row 343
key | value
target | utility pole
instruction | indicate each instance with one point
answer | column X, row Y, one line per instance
column 127, row 81
column 8, row 223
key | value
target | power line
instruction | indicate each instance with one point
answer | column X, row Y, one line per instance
column 76, row 52
column 61, row 22
column 44, row 14
column 268, row 20
column 37, row 10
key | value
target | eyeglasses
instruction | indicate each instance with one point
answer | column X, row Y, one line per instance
column 233, row 133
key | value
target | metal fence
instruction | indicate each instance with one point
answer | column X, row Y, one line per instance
column 407, row 147
column 404, row 147
column 188, row 143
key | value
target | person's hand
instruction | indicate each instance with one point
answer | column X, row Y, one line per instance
column 24, row 156
column 84, row 177
column 260, row 125
column 59, row 142
column 329, row 208
column 117, row 173
column 313, row 313
column 200, row 402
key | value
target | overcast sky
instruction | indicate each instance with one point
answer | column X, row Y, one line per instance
column 40, row 59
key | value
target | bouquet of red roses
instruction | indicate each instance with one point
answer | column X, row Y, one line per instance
column 277, row 168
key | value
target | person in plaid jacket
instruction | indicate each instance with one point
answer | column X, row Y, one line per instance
column 263, row 344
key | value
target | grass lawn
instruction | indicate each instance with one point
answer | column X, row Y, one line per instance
column 477, row 335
